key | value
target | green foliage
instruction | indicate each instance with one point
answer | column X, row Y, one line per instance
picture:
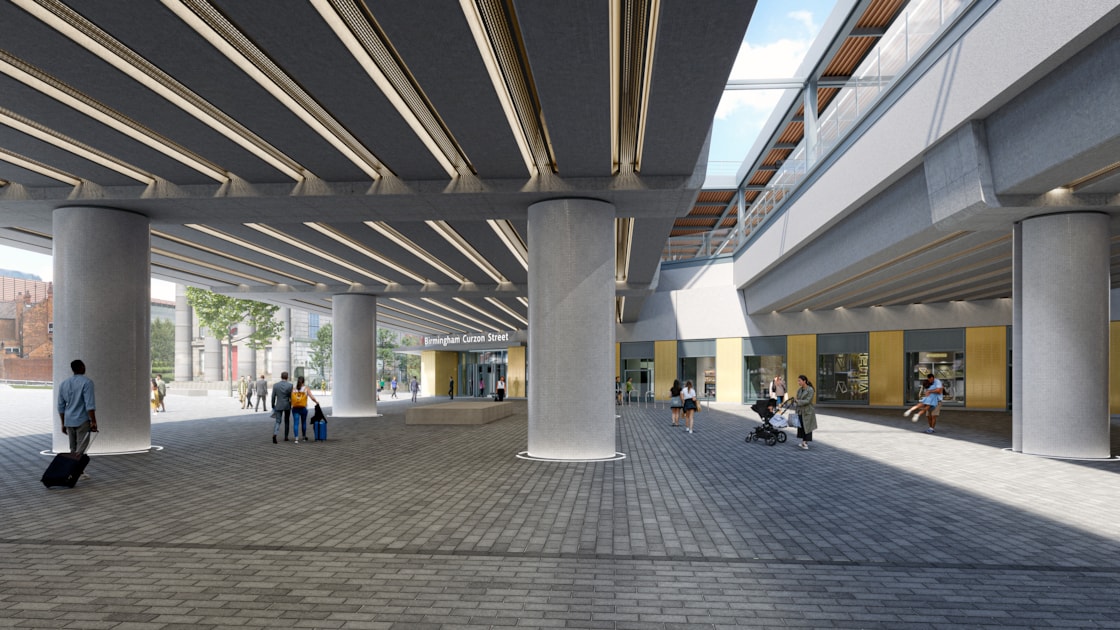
column 220, row 313
column 386, row 343
column 322, row 353
column 162, row 343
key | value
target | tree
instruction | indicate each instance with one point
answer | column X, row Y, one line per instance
column 322, row 350
column 386, row 343
column 162, row 343
column 220, row 314
column 411, row 361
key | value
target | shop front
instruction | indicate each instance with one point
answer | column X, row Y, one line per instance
column 469, row 364
column 843, row 368
column 939, row 352
column 637, row 367
column 697, row 359
column 763, row 359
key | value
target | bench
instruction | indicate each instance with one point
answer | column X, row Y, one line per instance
column 458, row 413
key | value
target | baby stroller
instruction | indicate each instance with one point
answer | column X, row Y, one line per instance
column 767, row 432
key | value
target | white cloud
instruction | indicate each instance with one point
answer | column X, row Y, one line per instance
column 806, row 18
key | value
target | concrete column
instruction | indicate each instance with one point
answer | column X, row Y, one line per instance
column 246, row 356
column 354, row 350
column 1016, row 338
column 1064, row 301
column 213, row 358
column 102, row 306
column 571, row 327
column 282, row 347
column 184, row 355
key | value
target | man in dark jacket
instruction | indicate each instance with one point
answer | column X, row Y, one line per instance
column 282, row 405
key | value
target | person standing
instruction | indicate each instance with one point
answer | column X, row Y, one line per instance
column 262, row 390
column 161, row 387
column 688, row 398
column 675, row 402
column 778, row 390
column 153, row 395
column 805, row 410
column 629, row 390
column 481, row 387
column 500, row 388
column 393, row 386
column 300, row 394
column 414, row 387
column 76, row 408
column 451, row 387
column 242, row 390
column 281, row 405
column 617, row 390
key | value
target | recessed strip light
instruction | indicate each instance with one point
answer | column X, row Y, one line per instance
column 414, row 249
column 435, row 314
column 524, row 302
column 363, row 37
column 624, row 242
column 194, row 261
column 222, row 35
column 382, row 306
column 459, row 313
column 70, row 97
column 89, row 36
column 512, row 313
column 633, row 35
column 263, row 251
column 38, row 167
column 513, row 241
column 451, row 236
column 410, row 325
column 484, row 312
column 70, row 145
column 215, row 252
column 325, row 255
column 341, row 238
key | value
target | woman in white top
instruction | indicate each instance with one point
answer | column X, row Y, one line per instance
column 688, row 396
column 300, row 394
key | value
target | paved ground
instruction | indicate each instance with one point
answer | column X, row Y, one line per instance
column 394, row 526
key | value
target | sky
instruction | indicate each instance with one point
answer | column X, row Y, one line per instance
column 779, row 35
column 42, row 265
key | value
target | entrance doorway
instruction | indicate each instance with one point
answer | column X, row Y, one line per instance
column 642, row 381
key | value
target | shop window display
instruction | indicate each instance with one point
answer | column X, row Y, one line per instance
column 947, row 366
column 842, row 377
column 760, row 371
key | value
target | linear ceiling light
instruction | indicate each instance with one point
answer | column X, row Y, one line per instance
column 459, row 313
column 194, row 261
column 516, row 245
column 38, row 167
column 89, row 36
column 484, row 312
column 208, row 22
column 216, row 252
column 524, row 302
column 263, row 251
column 410, row 325
column 451, row 236
column 356, row 28
column 321, row 253
column 382, row 307
column 341, row 238
column 48, row 85
column 502, row 52
column 405, row 243
column 435, row 314
column 70, row 145
column 624, row 242
column 512, row 313
column 633, row 25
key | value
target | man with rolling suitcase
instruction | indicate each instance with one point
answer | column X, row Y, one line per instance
column 76, row 412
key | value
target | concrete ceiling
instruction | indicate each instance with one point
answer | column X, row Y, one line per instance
column 129, row 106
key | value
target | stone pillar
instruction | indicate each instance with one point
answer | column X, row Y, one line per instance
column 102, row 315
column 571, row 323
column 354, row 350
column 212, row 359
column 1063, row 299
column 1016, row 338
column 184, row 354
column 282, row 347
column 246, row 356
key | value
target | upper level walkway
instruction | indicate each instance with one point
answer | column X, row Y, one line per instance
column 394, row 526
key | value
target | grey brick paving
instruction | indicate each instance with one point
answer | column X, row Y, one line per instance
column 392, row 526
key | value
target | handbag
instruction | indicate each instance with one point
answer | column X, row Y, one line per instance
column 794, row 420
column 675, row 402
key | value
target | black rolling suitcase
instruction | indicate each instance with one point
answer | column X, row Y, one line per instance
column 65, row 469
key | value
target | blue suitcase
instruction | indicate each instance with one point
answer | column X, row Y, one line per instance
column 320, row 427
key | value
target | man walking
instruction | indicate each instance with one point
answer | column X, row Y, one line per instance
column 161, row 387
column 281, row 405
column 451, row 387
column 76, row 408
column 414, row 385
column 262, row 390
column 393, row 385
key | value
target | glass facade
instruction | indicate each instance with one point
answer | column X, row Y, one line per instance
column 843, row 377
column 947, row 366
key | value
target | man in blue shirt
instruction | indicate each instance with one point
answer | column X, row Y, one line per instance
column 76, row 407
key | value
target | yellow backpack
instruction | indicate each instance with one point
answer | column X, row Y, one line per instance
column 299, row 399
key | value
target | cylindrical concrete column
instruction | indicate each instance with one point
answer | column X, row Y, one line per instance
column 102, row 306
column 1064, row 297
column 246, row 356
column 282, row 347
column 184, row 356
column 212, row 359
column 354, row 350
column 571, row 329
column 1016, row 338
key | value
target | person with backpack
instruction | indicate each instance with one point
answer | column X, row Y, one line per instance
column 300, row 394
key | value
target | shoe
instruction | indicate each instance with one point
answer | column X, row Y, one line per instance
column 914, row 419
column 297, row 440
column 274, row 440
column 930, row 430
column 286, row 438
column 85, row 476
column 906, row 414
column 803, row 446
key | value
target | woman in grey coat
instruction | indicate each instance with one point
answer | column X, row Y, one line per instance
column 804, row 398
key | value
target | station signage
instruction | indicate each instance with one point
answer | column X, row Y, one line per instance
column 472, row 339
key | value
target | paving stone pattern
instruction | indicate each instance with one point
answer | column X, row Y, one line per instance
column 391, row 526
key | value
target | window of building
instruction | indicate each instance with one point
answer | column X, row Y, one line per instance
column 313, row 325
